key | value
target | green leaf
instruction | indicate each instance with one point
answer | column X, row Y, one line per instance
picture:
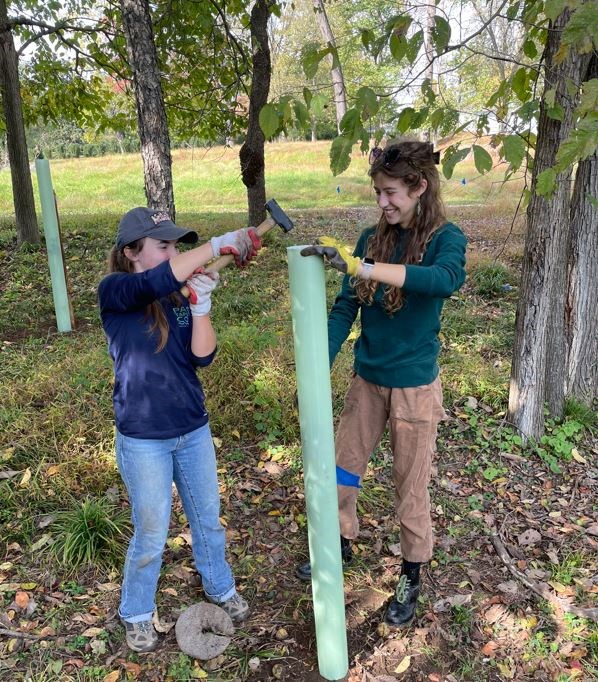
column 481, row 158
column 589, row 97
column 302, row 114
column 351, row 124
column 452, row 156
column 415, row 44
column 269, row 120
column 520, row 84
column 319, row 103
column 556, row 112
column 405, row 118
column 529, row 49
column 546, row 182
column 581, row 31
column 398, row 46
column 427, row 92
column 514, row 149
column 554, row 8
column 367, row 100
column 368, row 37
column 441, row 33
column 311, row 58
column 307, row 96
column 340, row 154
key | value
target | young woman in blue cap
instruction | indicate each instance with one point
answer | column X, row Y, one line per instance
column 397, row 278
column 157, row 339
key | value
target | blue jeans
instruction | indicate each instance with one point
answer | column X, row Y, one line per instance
column 148, row 468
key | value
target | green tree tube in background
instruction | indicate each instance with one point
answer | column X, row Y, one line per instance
column 53, row 245
column 310, row 335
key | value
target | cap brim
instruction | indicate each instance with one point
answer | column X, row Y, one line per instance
column 170, row 231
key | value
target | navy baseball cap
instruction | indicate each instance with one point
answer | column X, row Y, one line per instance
column 150, row 222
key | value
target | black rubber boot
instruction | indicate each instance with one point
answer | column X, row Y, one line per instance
column 303, row 571
column 401, row 610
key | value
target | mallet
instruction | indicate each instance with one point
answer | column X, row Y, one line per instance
column 276, row 217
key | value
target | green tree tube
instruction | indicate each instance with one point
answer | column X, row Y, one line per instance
column 310, row 335
column 53, row 245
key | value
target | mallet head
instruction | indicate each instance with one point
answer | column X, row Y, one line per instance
column 279, row 216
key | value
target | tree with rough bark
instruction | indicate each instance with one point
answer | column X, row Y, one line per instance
column 251, row 154
column 10, row 94
column 151, row 113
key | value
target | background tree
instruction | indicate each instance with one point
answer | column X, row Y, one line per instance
column 151, row 113
column 10, row 93
column 251, row 154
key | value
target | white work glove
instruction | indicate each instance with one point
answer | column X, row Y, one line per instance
column 242, row 244
column 201, row 285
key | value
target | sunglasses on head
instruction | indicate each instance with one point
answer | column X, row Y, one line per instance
column 392, row 155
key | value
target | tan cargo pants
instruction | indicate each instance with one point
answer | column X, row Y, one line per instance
column 412, row 415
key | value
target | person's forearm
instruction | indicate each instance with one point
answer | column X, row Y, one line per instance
column 184, row 264
column 203, row 339
column 387, row 273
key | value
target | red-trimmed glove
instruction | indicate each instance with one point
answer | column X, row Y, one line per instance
column 200, row 285
column 242, row 244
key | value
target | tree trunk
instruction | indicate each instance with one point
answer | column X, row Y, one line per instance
column 251, row 153
column 149, row 101
column 582, row 300
column 539, row 355
column 429, row 49
column 338, row 82
column 18, row 157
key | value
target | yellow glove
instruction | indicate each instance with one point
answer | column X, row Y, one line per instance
column 335, row 253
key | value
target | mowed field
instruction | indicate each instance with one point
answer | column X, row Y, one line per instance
column 209, row 180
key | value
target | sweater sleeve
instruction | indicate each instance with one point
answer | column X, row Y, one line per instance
column 345, row 308
column 444, row 272
column 122, row 291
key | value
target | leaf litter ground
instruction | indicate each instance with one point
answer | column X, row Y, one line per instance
column 477, row 619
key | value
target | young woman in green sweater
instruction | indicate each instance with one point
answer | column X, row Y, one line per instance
column 397, row 278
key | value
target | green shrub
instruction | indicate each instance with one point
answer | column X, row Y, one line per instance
column 491, row 279
column 93, row 533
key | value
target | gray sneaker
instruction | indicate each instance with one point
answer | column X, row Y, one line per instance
column 236, row 607
column 141, row 636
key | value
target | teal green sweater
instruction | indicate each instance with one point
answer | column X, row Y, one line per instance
column 401, row 350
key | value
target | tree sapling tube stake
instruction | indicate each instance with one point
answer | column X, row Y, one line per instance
column 310, row 334
column 62, row 306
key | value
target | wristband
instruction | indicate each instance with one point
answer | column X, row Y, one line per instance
column 367, row 264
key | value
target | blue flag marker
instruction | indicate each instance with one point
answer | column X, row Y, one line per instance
column 344, row 477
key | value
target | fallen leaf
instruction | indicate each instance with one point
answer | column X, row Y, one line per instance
column 112, row 677
column 446, row 603
column 22, row 599
column 577, row 457
column 509, row 587
column 26, row 478
column 403, row 665
column 529, row 537
column 217, row 442
column 92, row 632
column 489, row 648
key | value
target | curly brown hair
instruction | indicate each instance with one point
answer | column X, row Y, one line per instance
column 410, row 161
column 118, row 262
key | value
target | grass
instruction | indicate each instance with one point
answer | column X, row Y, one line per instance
column 56, row 429
column 208, row 180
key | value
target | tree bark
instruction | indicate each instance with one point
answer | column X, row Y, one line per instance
column 22, row 185
column 251, row 154
column 582, row 300
column 539, row 356
column 338, row 81
column 429, row 49
column 149, row 101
